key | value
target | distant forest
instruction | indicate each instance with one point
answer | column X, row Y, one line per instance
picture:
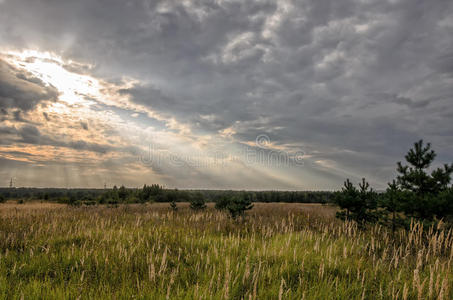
column 155, row 193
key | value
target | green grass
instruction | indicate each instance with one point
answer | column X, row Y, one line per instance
column 279, row 251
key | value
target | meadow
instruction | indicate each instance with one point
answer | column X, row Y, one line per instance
column 278, row 251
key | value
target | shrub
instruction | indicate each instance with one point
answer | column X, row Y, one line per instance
column 173, row 205
column 238, row 205
column 223, row 202
column 197, row 202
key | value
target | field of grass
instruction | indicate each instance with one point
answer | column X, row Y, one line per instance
column 280, row 251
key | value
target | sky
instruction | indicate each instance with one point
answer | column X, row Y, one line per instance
column 261, row 95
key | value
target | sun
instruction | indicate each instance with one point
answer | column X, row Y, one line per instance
column 74, row 88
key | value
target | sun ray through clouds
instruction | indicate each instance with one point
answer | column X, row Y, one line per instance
column 92, row 132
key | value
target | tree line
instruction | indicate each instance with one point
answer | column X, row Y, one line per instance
column 155, row 193
column 417, row 193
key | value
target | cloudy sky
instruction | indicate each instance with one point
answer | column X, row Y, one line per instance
column 221, row 94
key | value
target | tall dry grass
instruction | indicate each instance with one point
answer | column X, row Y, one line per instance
column 280, row 251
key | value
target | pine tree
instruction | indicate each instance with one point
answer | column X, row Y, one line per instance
column 415, row 177
column 424, row 187
column 239, row 204
column 346, row 200
column 391, row 203
column 357, row 204
column 367, row 211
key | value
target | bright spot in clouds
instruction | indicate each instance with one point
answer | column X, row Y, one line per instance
column 50, row 68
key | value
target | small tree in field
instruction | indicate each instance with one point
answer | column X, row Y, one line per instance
column 415, row 177
column 173, row 206
column 172, row 197
column 238, row 205
column 357, row 204
column 197, row 202
column 369, row 197
column 235, row 205
column 424, row 187
column 346, row 200
column 391, row 203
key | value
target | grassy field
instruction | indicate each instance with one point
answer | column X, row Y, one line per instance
column 280, row 251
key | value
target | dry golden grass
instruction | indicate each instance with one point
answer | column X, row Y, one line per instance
column 29, row 205
column 279, row 251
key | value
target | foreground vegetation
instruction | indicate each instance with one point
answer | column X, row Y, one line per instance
column 278, row 251
column 418, row 193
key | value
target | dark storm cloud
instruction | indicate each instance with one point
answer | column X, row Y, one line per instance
column 361, row 77
column 22, row 91
column 30, row 134
column 149, row 96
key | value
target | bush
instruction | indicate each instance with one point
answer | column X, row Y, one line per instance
column 197, row 202
column 113, row 202
column 75, row 203
column 223, row 202
column 238, row 205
